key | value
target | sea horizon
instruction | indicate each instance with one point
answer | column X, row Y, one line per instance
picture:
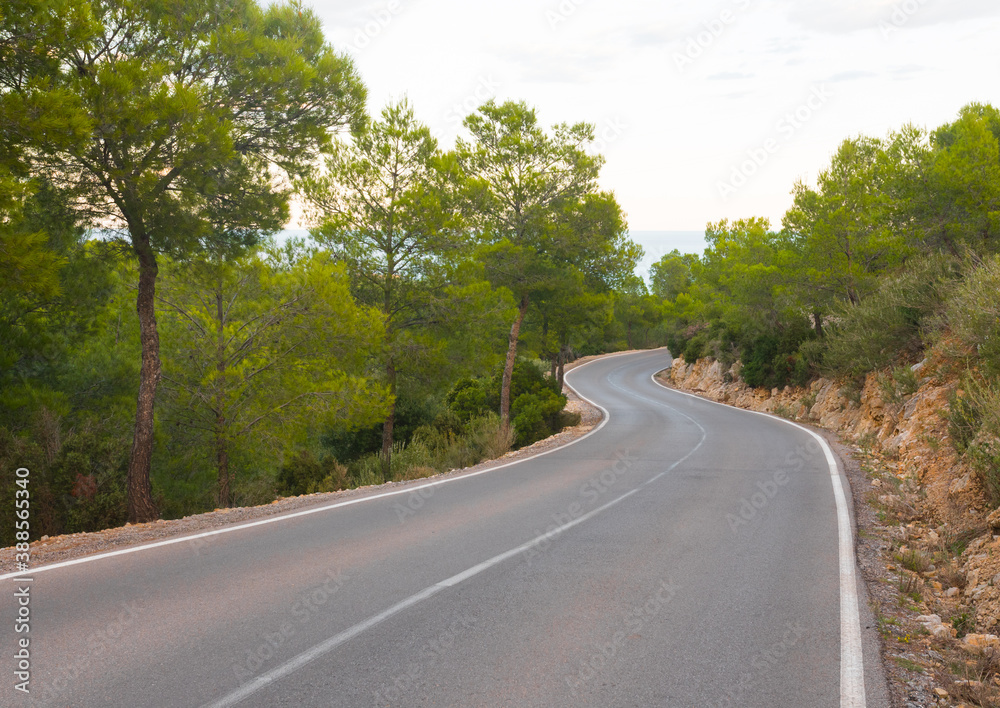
column 655, row 244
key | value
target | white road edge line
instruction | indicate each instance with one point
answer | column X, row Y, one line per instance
column 317, row 510
column 852, row 672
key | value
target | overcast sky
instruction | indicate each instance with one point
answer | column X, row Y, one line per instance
column 705, row 110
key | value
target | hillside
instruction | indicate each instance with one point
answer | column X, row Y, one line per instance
column 937, row 575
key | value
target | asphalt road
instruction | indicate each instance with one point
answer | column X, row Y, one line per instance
column 684, row 554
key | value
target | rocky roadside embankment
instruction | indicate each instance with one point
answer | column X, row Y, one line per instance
column 926, row 538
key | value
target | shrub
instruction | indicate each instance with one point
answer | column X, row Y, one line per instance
column 974, row 428
column 77, row 473
column 491, row 439
column 536, row 415
column 536, row 401
column 406, row 457
column 348, row 444
column 758, row 360
column 697, row 347
column 303, row 473
column 973, row 313
column 899, row 383
column 853, row 389
column 890, row 325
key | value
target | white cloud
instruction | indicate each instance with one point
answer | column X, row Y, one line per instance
column 844, row 16
column 612, row 60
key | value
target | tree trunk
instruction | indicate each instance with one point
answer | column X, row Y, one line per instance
column 389, row 423
column 562, row 366
column 221, row 451
column 222, row 459
column 818, row 324
column 508, row 369
column 140, row 505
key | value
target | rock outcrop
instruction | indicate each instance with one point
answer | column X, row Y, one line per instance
column 909, row 434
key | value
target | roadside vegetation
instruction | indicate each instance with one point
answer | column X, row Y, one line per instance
column 164, row 353
column 892, row 254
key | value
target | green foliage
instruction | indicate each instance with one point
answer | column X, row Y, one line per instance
column 385, row 205
column 480, row 438
column 972, row 313
column 868, row 259
column 77, row 479
column 774, row 360
column 841, row 232
column 536, row 405
column 536, row 415
column 204, row 110
column 897, row 384
column 964, row 420
column 964, row 623
column 974, row 428
column 913, row 560
column 303, row 473
column 890, row 325
column 263, row 349
column 672, row 275
column 351, row 441
column 437, row 448
column 960, row 209
column 179, row 117
column 531, row 197
column 638, row 314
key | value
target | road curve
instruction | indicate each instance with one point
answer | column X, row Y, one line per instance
column 684, row 554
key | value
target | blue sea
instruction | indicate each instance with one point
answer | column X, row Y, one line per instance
column 656, row 244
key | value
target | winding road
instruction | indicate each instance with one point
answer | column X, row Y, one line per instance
column 683, row 554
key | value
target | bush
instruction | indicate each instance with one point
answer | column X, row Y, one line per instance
column 774, row 360
column 973, row 313
column 974, row 427
column 697, row 347
column 537, row 415
column 536, row 401
column 405, row 458
column 78, row 472
column 348, row 444
column 890, row 325
column 898, row 384
column 303, row 473
column 964, row 420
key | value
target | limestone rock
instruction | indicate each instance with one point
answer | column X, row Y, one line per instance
column 978, row 642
